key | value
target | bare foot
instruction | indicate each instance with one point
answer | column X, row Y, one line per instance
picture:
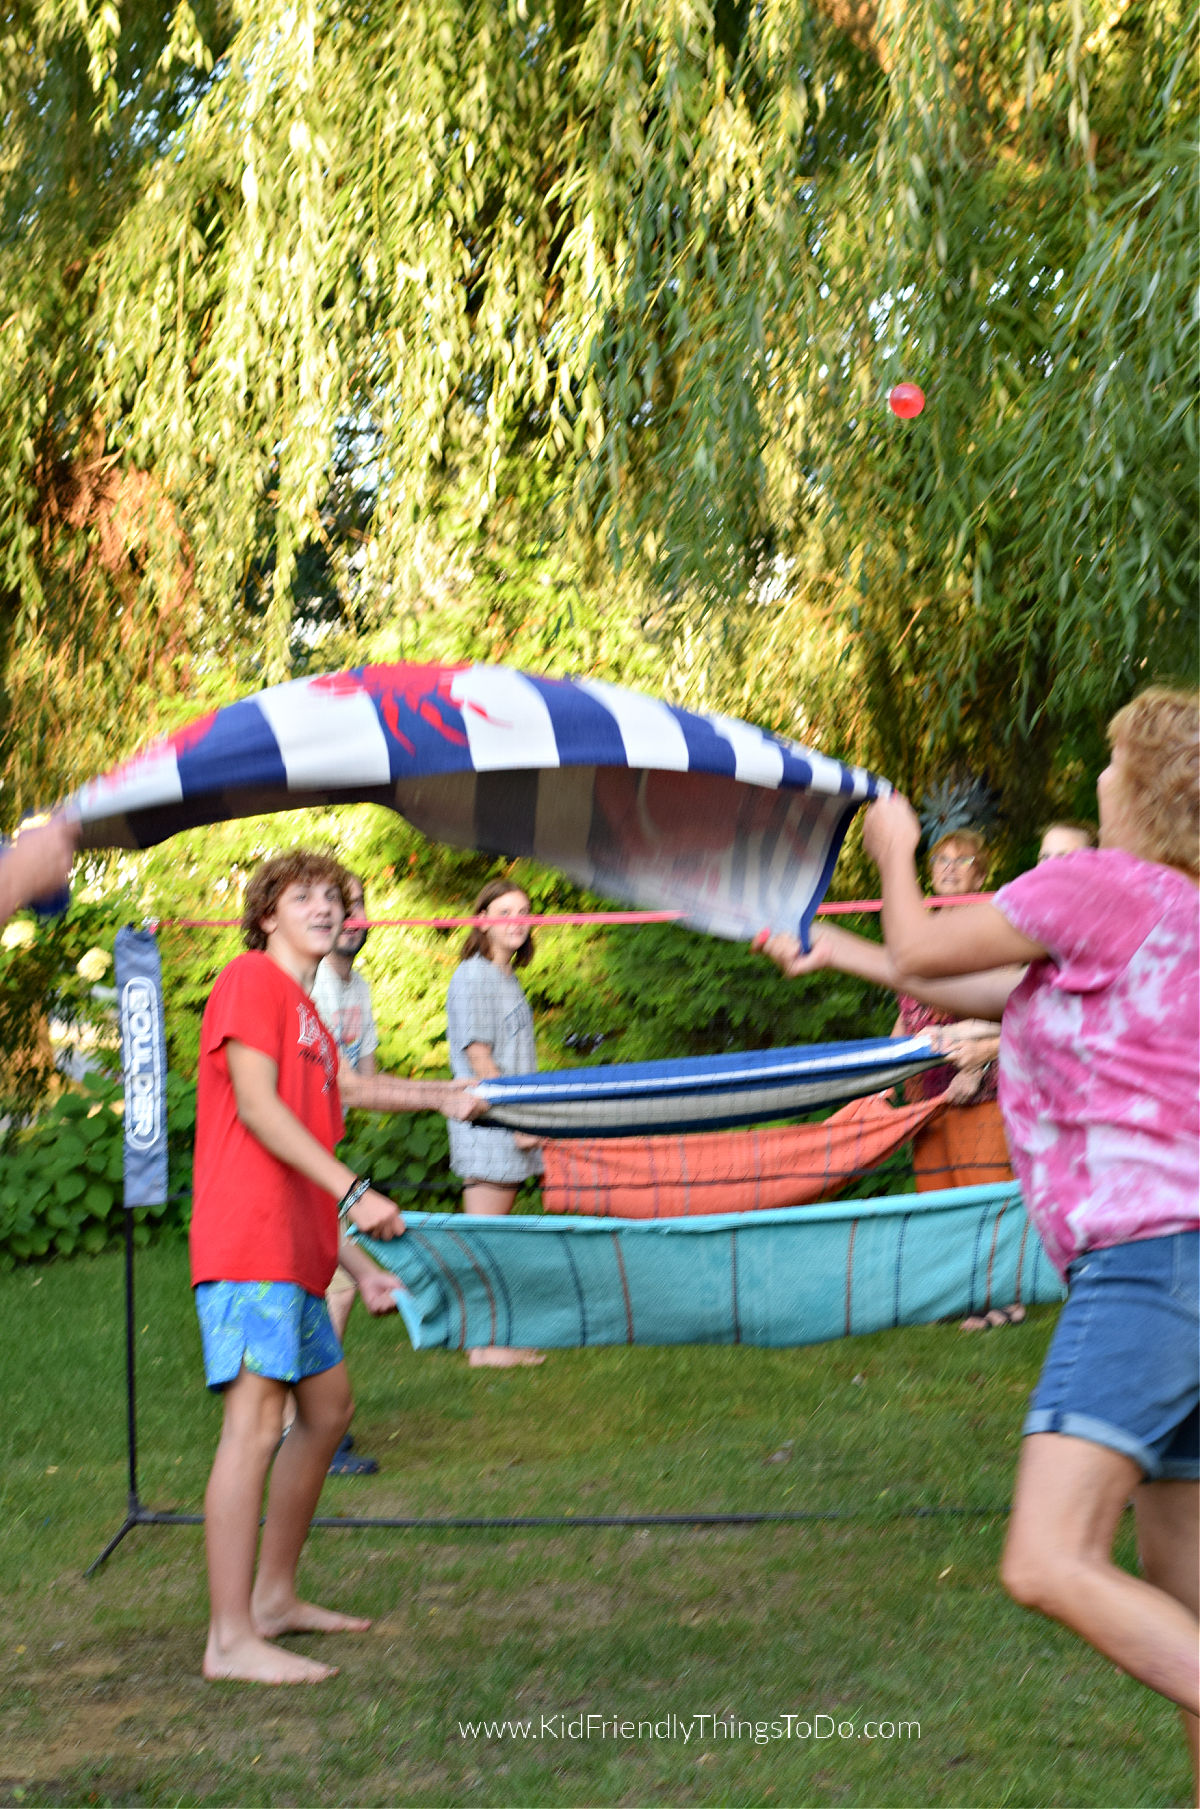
column 496, row 1356
column 998, row 1316
column 304, row 1617
column 254, row 1660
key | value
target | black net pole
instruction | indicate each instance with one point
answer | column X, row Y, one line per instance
column 138, row 1515
column 133, row 1507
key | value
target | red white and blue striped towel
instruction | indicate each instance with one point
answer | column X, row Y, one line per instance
column 735, row 828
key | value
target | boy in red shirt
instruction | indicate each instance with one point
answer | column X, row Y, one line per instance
column 264, row 1244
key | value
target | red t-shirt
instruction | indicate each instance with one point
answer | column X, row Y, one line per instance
column 254, row 1218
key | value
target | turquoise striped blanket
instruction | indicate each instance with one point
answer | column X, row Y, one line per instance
column 802, row 1275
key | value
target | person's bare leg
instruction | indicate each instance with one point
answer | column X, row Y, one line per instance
column 1168, row 1525
column 340, row 1302
column 1058, row 1560
column 323, row 1409
column 236, row 1647
column 489, row 1199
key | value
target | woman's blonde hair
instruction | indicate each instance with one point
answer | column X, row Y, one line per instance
column 1159, row 737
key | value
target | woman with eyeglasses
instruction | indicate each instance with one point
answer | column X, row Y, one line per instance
column 965, row 1146
column 957, row 868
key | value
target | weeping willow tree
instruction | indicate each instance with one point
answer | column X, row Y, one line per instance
column 316, row 318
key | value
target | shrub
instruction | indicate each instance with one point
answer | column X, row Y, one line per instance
column 598, row 994
column 62, row 1181
column 406, row 1155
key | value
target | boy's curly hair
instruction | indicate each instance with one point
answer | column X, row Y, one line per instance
column 1159, row 737
column 275, row 876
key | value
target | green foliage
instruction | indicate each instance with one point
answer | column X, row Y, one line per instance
column 957, row 802
column 564, row 332
column 561, row 334
column 51, row 972
column 641, row 994
column 598, row 994
column 406, row 1155
column 61, row 1178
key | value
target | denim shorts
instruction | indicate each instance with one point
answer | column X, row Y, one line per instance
column 274, row 1328
column 1123, row 1368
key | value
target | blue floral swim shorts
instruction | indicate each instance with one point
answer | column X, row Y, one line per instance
column 274, row 1328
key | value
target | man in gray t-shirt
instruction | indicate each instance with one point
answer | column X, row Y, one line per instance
column 343, row 997
column 343, row 1000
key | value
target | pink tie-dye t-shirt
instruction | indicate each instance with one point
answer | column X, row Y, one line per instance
column 1100, row 1052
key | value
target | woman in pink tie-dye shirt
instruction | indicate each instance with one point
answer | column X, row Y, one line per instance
column 1099, row 1084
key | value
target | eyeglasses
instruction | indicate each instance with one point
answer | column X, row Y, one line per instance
column 953, row 860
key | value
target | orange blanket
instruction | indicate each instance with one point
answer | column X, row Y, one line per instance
column 726, row 1171
column 965, row 1147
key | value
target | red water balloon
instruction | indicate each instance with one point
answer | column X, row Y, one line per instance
column 906, row 400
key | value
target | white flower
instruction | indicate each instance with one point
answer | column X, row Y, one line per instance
column 94, row 965
column 18, row 935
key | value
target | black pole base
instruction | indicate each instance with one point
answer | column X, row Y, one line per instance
column 137, row 1515
column 441, row 1523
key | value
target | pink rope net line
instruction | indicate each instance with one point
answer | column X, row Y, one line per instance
column 547, row 921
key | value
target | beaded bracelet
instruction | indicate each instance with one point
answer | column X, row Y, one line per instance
column 353, row 1195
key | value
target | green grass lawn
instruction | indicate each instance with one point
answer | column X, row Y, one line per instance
column 688, row 1648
